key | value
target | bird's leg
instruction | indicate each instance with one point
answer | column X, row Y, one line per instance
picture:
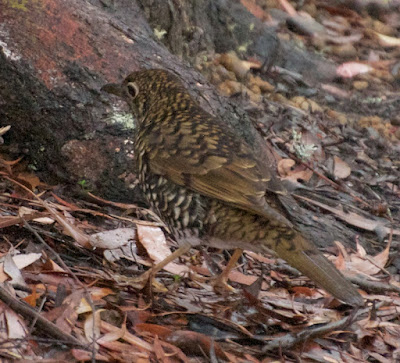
column 141, row 281
column 221, row 282
column 178, row 253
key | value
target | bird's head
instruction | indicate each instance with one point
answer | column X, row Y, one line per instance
column 146, row 89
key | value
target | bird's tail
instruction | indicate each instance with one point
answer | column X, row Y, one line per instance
column 306, row 258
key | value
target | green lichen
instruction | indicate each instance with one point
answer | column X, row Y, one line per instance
column 303, row 151
column 22, row 4
column 159, row 33
column 123, row 118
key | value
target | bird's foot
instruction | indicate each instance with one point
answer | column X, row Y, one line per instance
column 220, row 284
column 140, row 282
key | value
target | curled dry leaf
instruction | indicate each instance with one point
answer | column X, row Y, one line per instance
column 11, row 269
column 19, row 262
column 4, row 129
column 387, row 41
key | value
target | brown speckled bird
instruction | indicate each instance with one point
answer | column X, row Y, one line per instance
column 207, row 185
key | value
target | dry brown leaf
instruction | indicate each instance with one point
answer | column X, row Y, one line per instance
column 29, row 179
column 91, row 327
column 236, row 276
column 153, row 240
column 128, row 337
column 285, row 167
column 19, row 262
column 354, row 219
column 341, row 170
column 13, row 328
column 361, row 263
column 113, row 239
column 50, row 265
column 299, row 175
column 97, row 293
column 254, row 9
column 87, row 356
column 112, row 336
column 66, row 315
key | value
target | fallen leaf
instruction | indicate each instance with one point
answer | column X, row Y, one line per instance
column 91, row 327
column 361, row 262
column 285, row 167
column 13, row 329
column 254, row 9
column 128, row 337
column 341, row 170
column 387, row 41
column 153, row 240
column 19, row 262
column 352, row 69
column 354, row 219
column 338, row 92
column 236, row 65
column 113, row 239
column 4, row 129
column 29, row 179
column 299, row 175
column 286, row 6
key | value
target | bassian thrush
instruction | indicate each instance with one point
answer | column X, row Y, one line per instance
column 206, row 183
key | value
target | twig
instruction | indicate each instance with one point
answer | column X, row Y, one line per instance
column 31, row 314
column 374, row 286
column 289, row 340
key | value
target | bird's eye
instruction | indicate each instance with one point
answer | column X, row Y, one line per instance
column 133, row 89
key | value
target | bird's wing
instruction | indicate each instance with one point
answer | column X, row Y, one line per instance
column 218, row 165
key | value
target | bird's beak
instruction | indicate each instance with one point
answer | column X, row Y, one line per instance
column 113, row 88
